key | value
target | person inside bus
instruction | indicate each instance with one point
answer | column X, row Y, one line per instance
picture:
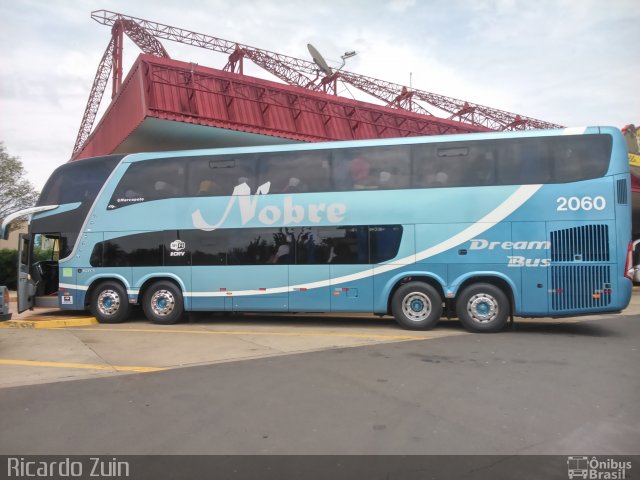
column 282, row 254
column 207, row 188
column 434, row 174
column 386, row 181
column 340, row 254
column 165, row 190
column 391, row 179
column 438, row 179
column 360, row 170
column 295, row 185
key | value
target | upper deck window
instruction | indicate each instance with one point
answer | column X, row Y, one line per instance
column 510, row 161
column 218, row 175
column 148, row 181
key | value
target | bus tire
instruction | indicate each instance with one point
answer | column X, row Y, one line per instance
column 483, row 307
column 163, row 303
column 416, row 306
column 110, row 303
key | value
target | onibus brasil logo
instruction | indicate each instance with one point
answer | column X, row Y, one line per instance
column 597, row 469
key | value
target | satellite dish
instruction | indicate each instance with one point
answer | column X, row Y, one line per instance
column 319, row 60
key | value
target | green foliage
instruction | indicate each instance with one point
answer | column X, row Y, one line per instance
column 16, row 192
column 9, row 264
column 40, row 255
column 8, row 268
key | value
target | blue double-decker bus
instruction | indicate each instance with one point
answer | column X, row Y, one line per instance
column 482, row 227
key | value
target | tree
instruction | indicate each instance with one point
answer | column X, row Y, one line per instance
column 16, row 192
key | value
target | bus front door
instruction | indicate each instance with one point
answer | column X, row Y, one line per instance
column 38, row 271
column 26, row 289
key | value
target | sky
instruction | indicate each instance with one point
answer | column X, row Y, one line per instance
column 574, row 63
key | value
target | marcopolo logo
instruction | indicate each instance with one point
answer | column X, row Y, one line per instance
column 597, row 469
column 177, row 246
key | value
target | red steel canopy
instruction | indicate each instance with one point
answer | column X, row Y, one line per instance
column 166, row 104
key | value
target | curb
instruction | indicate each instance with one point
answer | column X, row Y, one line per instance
column 61, row 323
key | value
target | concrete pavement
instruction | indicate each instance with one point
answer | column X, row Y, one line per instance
column 62, row 351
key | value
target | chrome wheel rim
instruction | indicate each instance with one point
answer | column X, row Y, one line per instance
column 108, row 302
column 163, row 303
column 416, row 307
column 483, row 308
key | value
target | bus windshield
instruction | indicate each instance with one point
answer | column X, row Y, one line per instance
column 78, row 181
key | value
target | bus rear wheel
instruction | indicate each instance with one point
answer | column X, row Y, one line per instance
column 163, row 303
column 483, row 307
column 416, row 306
column 110, row 303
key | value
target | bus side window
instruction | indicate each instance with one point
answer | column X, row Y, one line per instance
column 523, row 162
column 296, row 172
column 392, row 167
column 384, row 242
column 347, row 245
column 150, row 180
column 424, row 167
column 334, row 245
column 251, row 246
column 208, row 248
column 383, row 168
column 219, row 175
column 167, row 177
column 479, row 166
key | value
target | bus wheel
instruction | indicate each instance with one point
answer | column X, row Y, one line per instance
column 163, row 303
column 110, row 303
column 483, row 308
column 416, row 306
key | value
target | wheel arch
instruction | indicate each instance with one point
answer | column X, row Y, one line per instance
column 99, row 279
column 429, row 278
column 500, row 281
column 149, row 280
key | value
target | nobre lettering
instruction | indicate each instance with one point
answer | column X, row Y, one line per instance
column 289, row 213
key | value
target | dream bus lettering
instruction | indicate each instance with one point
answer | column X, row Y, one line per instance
column 290, row 213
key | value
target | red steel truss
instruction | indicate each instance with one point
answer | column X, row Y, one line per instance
column 112, row 59
column 299, row 73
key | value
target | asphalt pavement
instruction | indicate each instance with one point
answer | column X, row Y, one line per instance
column 542, row 388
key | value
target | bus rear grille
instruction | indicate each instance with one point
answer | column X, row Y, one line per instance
column 580, row 287
column 622, row 191
column 589, row 243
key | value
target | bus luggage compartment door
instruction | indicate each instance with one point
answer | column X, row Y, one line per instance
column 310, row 288
column 260, row 288
column 351, row 288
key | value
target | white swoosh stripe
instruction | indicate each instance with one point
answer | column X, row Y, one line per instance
column 69, row 286
column 502, row 211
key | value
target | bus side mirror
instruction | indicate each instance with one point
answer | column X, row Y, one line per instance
column 4, row 234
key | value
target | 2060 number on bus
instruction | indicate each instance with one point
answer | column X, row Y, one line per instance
column 581, row 203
